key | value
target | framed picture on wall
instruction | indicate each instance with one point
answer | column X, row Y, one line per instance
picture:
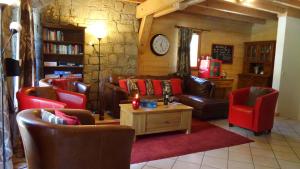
column 222, row 52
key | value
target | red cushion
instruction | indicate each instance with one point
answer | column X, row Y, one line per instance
column 123, row 84
column 142, row 87
column 176, row 86
column 70, row 120
column 157, row 87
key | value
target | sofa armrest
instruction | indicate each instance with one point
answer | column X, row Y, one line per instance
column 265, row 110
column 199, row 87
column 32, row 102
column 82, row 88
column 72, row 99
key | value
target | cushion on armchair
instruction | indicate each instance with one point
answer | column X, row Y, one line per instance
column 51, row 118
column 69, row 120
column 256, row 92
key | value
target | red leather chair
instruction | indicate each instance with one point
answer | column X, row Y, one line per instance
column 258, row 118
column 48, row 97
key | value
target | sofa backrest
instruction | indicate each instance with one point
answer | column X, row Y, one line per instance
column 114, row 79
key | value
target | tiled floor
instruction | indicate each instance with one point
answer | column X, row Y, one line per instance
column 281, row 149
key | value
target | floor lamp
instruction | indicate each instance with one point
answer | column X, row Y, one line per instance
column 99, row 31
column 14, row 28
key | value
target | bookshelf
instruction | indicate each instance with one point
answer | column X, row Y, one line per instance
column 63, row 50
column 258, row 64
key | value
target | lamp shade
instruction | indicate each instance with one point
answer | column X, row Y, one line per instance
column 98, row 30
column 12, row 67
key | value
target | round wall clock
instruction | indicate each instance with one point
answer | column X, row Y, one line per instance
column 160, row 44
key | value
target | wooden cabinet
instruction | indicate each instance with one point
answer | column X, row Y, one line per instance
column 258, row 64
column 222, row 87
column 63, row 50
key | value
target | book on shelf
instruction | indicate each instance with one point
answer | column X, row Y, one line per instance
column 51, row 76
column 53, row 35
column 50, row 64
column 50, row 48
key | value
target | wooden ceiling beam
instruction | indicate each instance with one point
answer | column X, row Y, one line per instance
column 222, row 14
column 236, row 9
column 289, row 3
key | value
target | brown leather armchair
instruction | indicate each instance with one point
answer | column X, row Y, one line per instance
column 86, row 146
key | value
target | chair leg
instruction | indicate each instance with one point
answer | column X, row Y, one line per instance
column 230, row 125
column 269, row 131
column 257, row 133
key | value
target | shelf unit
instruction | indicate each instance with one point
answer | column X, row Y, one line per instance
column 258, row 64
column 63, row 47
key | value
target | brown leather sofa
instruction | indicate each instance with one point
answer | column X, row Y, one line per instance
column 197, row 93
column 74, row 85
column 85, row 146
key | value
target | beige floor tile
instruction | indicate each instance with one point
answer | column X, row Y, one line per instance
column 218, row 153
column 244, row 148
column 137, row 166
column 185, row 165
column 260, row 145
column 214, row 162
column 279, row 142
column 287, row 149
column 263, row 167
column 193, row 158
column 286, row 156
column 288, row 165
column 162, row 164
column 239, row 165
column 149, row 167
column 240, row 156
column 294, row 144
column 262, row 152
column 207, row 167
column 267, row 162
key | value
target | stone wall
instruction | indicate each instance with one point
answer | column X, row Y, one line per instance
column 118, row 49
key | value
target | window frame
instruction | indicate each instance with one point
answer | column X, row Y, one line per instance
column 199, row 50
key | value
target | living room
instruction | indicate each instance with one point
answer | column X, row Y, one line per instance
column 206, row 84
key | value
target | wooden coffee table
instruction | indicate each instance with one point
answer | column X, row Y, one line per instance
column 164, row 118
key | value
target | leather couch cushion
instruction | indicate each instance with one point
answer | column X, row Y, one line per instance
column 176, row 86
column 157, row 85
column 194, row 88
column 45, row 92
column 256, row 92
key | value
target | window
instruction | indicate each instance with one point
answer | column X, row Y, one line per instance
column 194, row 50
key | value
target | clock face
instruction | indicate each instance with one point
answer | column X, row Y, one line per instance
column 160, row 45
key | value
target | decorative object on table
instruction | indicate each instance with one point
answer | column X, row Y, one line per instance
column 136, row 102
column 166, row 97
column 223, row 75
column 222, row 52
column 99, row 31
column 145, row 103
column 160, row 44
column 210, row 68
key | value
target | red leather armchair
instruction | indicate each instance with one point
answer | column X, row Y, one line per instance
column 48, row 97
column 258, row 118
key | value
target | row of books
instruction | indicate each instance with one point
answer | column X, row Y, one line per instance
column 63, row 74
column 54, row 35
column 51, row 48
column 61, row 63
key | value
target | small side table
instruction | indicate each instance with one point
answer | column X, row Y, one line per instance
column 223, row 87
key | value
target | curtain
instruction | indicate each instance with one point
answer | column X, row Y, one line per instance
column 5, row 133
column 27, row 51
column 183, row 61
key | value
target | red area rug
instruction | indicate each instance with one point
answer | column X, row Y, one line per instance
column 204, row 137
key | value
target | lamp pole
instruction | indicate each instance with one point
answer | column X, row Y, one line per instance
column 99, row 96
